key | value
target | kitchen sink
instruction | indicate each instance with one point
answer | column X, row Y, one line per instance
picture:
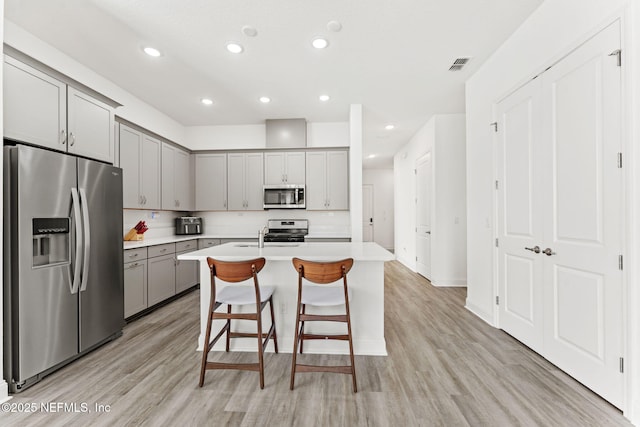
column 267, row 245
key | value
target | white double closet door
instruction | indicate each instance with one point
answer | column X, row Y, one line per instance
column 560, row 191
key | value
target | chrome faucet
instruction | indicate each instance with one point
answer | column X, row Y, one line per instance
column 261, row 234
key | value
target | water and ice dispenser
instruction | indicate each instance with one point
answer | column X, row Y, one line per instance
column 50, row 241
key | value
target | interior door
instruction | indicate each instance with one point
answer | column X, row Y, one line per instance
column 367, row 213
column 559, row 194
column 583, row 220
column 424, row 180
column 520, row 224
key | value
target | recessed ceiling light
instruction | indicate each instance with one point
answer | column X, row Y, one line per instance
column 324, row 98
column 334, row 26
column 371, row 156
column 320, row 43
column 206, row 101
column 389, row 127
column 152, row 51
column 249, row 31
column 265, row 99
column 234, row 47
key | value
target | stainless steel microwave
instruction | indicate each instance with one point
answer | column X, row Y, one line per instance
column 287, row 196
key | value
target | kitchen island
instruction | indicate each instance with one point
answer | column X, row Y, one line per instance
column 366, row 280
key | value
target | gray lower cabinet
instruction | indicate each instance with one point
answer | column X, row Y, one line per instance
column 186, row 271
column 207, row 243
column 135, row 281
column 153, row 274
column 162, row 272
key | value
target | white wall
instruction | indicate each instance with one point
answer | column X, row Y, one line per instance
column 448, row 207
column 551, row 32
column 253, row 136
column 404, row 181
column 444, row 136
column 383, row 224
column 133, row 109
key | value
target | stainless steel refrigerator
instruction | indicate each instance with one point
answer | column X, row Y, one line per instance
column 63, row 260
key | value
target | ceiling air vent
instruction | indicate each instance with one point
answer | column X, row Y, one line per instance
column 458, row 64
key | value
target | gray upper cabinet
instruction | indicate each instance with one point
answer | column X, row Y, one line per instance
column 140, row 163
column 42, row 110
column 35, row 106
column 284, row 168
column 245, row 180
column 211, row 182
column 176, row 179
column 327, row 186
column 90, row 126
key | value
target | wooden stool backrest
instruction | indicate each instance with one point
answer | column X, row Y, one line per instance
column 235, row 271
column 322, row 272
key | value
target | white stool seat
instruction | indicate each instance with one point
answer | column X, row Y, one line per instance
column 242, row 295
column 323, row 295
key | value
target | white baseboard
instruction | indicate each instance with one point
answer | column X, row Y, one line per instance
column 486, row 317
column 4, row 391
column 450, row 283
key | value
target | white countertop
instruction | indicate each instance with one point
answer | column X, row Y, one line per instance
column 173, row 239
column 235, row 251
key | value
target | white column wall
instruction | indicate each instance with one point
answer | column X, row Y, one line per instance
column 355, row 171
column 448, row 206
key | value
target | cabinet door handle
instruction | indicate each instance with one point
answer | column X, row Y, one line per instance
column 134, row 265
column 73, row 138
column 133, row 255
column 535, row 249
column 63, row 134
column 548, row 252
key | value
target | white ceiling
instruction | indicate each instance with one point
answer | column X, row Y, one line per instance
column 390, row 56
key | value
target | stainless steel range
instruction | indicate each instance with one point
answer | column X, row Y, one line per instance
column 287, row 230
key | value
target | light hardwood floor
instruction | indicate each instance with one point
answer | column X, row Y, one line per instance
column 445, row 368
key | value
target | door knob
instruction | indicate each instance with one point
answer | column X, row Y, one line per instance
column 548, row 252
column 535, row 249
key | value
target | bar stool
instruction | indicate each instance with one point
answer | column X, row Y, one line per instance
column 234, row 272
column 322, row 273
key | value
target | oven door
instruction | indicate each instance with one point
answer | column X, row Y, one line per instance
column 283, row 197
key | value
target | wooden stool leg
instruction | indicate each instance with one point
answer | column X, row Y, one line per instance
column 273, row 322
column 260, row 352
column 295, row 349
column 205, row 349
column 304, row 308
column 353, row 363
column 228, row 326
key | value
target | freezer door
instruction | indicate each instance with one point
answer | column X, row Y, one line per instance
column 102, row 284
column 44, row 312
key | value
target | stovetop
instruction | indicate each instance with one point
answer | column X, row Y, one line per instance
column 287, row 230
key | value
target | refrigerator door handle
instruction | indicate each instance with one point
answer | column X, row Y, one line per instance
column 86, row 238
column 76, row 213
